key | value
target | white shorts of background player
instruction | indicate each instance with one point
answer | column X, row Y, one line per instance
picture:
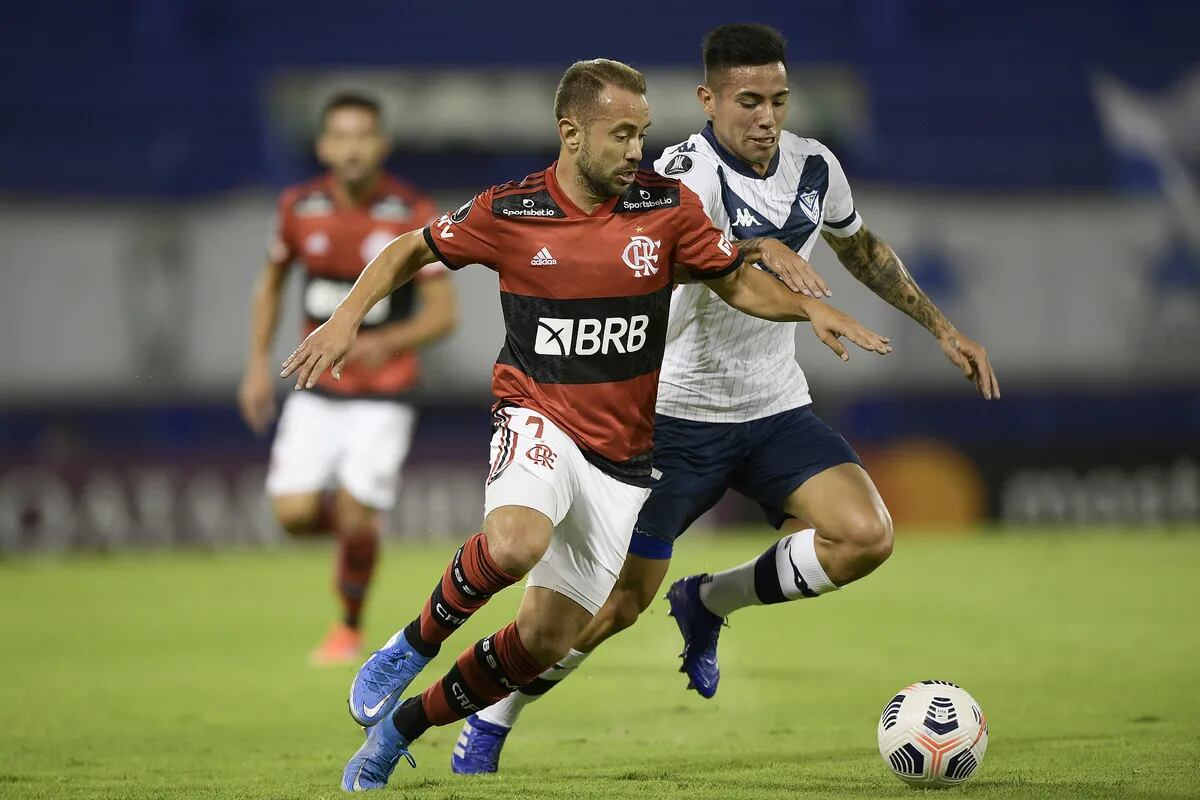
column 325, row 443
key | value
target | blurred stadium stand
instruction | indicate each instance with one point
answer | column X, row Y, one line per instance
column 1035, row 164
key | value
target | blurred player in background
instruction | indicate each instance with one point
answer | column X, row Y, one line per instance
column 338, row 451
column 733, row 406
column 585, row 252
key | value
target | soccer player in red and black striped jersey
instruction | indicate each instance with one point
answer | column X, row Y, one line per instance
column 586, row 252
column 336, row 459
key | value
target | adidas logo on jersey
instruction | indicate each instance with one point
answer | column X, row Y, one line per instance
column 543, row 259
column 744, row 218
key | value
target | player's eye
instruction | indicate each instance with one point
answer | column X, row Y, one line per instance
column 748, row 106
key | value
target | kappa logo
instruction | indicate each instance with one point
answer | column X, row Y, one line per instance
column 678, row 165
column 541, row 455
column 810, row 204
column 589, row 336
column 641, row 256
column 543, row 258
column 745, row 219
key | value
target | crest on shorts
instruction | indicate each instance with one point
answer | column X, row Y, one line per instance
column 542, row 455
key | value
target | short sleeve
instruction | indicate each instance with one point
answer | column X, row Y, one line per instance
column 466, row 236
column 839, row 217
column 281, row 248
column 703, row 249
column 697, row 174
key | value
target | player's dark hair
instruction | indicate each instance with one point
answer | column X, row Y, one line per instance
column 351, row 100
column 581, row 85
column 742, row 44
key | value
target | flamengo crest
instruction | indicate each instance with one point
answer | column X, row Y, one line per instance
column 641, row 256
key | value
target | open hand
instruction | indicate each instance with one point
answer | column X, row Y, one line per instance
column 256, row 399
column 325, row 348
column 970, row 357
column 793, row 269
column 830, row 324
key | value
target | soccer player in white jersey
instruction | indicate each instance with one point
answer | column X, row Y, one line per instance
column 733, row 407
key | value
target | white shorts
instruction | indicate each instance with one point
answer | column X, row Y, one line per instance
column 536, row 465
column 324, row 443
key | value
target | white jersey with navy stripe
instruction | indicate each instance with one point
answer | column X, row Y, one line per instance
column 722, row 365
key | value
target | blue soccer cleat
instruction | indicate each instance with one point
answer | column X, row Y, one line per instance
column 700, row 628
column 372, row 765
column 379, row 683
column 478, row 749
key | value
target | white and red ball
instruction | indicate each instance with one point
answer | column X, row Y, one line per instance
column 933, row 734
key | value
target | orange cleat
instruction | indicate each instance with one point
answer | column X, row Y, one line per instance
column 342, row 645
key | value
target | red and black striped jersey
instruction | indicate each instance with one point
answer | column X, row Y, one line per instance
column 335, row 240
column 585, row 300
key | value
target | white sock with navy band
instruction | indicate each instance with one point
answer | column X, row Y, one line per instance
column 506, row 711
column 788, row 570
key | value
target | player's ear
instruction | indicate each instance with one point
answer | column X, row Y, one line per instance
column 706, row 97
column 571, row 134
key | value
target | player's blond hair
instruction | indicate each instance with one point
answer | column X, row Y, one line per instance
column 581, row 85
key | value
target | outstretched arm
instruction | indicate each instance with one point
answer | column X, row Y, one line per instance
column 875, row 264
column 328, row 346
column 756, row 293
column 790, row 267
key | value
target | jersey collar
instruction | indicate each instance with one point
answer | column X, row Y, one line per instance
column 569, row 207
column 343, row 201
column 735, row 163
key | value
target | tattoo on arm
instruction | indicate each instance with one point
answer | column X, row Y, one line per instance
column 751, row 249
column 875, row 264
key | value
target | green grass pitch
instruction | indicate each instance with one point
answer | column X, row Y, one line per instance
column 184, row 675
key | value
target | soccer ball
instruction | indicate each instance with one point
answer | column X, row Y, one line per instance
column 933, row 734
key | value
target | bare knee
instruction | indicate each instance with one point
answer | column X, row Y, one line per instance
column 299, row 515
column 625, row 605
column 517, row 537
column 549, row 623
column 354, row 519
column 862, row 542
column 547, row 643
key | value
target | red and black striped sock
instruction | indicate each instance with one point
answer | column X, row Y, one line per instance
column 488, row 671
column 357, row 553
column 469, row 581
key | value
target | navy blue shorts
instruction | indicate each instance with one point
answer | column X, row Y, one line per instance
column 764, row 459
